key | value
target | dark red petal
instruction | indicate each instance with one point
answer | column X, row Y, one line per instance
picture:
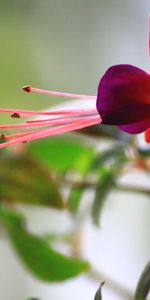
column 147, row 135
column 124, row 96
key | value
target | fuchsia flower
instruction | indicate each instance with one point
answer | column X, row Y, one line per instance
column 123, row 99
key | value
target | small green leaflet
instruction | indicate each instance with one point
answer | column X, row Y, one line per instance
column 37, row 255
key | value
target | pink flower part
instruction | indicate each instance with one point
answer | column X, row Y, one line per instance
column 60, row 121
column 29, row 89
column 76, row 125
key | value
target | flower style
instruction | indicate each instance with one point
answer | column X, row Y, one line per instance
column 122, row 100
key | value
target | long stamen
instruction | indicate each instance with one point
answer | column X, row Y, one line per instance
column 28, row 113
column 55, row 93
column 84, row 122
column 16, row 135
column 39, row 123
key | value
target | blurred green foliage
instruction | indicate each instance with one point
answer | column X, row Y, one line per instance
column 24, row 179
column 44, row 262
column 61, row 153
column 36, row 174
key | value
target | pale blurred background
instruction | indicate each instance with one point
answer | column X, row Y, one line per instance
column 67, row 45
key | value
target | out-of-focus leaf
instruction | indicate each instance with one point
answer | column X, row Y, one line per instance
column 23, row 179
column 62, row 153
column 106, row 183
column 107, row 155
column 107, row 180
column 143, row 286
column 83, row 161
column 74, row 199
column 11, row 217
column 98, row 295
column 41, row 259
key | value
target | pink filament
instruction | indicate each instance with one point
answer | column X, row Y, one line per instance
column 17, row 135
column 38, row 123
column 28, row 113
column 75, row 125
column 55, row 93
column 65, row 120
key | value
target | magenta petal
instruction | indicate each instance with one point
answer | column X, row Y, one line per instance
column 124, row 96
column 135, row 128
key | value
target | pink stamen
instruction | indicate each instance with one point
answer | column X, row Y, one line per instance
column 54, row 121
column 28, row 113
column 55, row 93
column 39, row 123
column 17, row 135
column 76, row 125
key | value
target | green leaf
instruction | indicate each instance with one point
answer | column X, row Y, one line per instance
column 74, row 199
column 98, row 295
column 11, row 217
column 84, row 161
column 105, row 184
column 41, row 259
column 24, row 179
column 143, row 286
column 107, row 178
column 62, row 153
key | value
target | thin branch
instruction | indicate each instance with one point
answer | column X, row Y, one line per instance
column 93, row 183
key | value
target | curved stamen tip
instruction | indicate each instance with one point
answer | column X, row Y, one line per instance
column 15, row 115
column 26, row 88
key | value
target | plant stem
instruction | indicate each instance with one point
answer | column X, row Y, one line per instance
column 93, row 184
